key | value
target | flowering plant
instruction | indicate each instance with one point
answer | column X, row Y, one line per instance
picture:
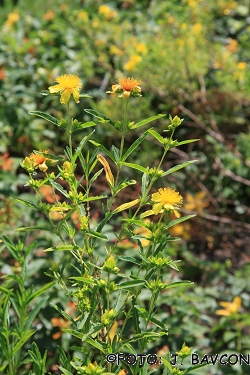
column 110, row 315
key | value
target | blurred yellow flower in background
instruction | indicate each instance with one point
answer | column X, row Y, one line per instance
column 107, row 12
column 232, row 45
column 83, row 15
column 114, row 50
column 49, row 15
column 141, row 48
column 196, row 203
column 230, row 307
column 67, row 84
column 132, row 62
column 13, row 17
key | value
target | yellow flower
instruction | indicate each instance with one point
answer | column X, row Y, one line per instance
column 12, row 19
column 36, row 160
column 127, row 86
column 166, row 198
column 114, row 50
column 232, row 45
column 131, row 64
column 107, row 12
column 241, row 65
column 230, row 307
column 141, row 48
column 67, row 85
column 197, row 27
column 49, row 15
column 181, row 230
column 83, row 15
column 196, row 203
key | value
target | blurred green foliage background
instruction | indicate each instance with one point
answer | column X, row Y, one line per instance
column 193, row 59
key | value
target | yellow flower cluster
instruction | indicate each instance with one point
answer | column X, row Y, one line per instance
column 107, row 12
column 13, row 17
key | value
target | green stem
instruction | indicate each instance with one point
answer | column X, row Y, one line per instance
column 69, row 131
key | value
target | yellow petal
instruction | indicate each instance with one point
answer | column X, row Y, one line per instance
column 126, row 205
column 76, row 95
column 55, row 88
column 65, row 96
column 147, row 213
column 157, row 208
column 223, row 312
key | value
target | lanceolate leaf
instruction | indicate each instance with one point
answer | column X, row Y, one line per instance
column 45, row 116
column 188, row 141
column 27, row 203
column 179, row 166
column 101, row 147
column 156, row 136
column 178, row 283
column 146, row 121
column 177, row 221
column 134, row 146
column 33, row 228
column 99, row 115
column 136, row 166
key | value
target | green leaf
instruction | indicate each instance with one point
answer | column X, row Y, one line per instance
column 32, row 314
column 179, row 166
column 81, row 145
column 143, row 335
column 179, row 283
column 63, row 248
column 82, row 125
column 25, row 337
column 84, row 279
column 195, row 367
column 157, row 136
column 59, row 188
column 159, row 324
column 134, row 146
column 131, row 284
column 130, row 259
column 45, row 116
column 41, row 291
column 97, row 235
column 63, row 313
column 136, row 166
column 120, row 302
column 101, row 147
column 177, row 221
column 188, row 141
column 33, row 228
column 123, row 184
column 167, row 364
column 100, row 116
column 7, row 291
column 146, row 121
column 95, row 344
column 64, row 371
column 27, row 203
